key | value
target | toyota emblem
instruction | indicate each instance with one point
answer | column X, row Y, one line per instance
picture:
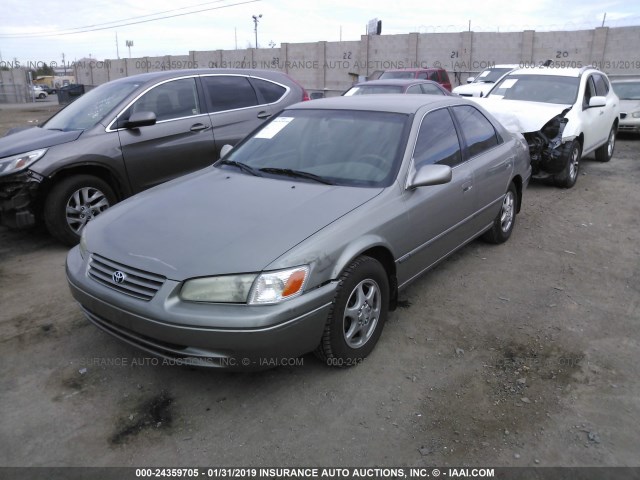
column 118, row 276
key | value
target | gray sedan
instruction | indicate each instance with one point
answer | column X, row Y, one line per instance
column 300, row 238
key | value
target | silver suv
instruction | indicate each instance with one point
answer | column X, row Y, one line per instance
column 129, row 135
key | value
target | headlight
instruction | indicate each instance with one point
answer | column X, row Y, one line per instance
column 635, row 114
column 223, row 289
column 251, row 288
column 274, row 287
column 21, row 161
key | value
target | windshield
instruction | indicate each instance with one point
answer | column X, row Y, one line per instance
column 91, row 107
column 341, row 147
column 491, row 75
column 388, row 75
column 538, row 88
column 627, row 90
column 373, row 89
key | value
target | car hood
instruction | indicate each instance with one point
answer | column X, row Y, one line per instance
column 33, row 138
column 217, row 222
column 519, row 116
column 473, row 89
column 629, row 106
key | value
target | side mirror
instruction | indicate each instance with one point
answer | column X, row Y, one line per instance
column 225, row 149
column 431, row 175
column 140, row 119
column 470, row 79
column 597, row 102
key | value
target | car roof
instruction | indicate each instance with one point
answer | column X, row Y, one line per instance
column 424, row 69
column 401, row 82
column 169, row 74
column 407, row 104
column 560, row 72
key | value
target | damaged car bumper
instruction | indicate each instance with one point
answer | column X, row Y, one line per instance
column 18, row 197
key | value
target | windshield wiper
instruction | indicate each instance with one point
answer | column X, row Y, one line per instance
column 242, row 166
column 296, row 173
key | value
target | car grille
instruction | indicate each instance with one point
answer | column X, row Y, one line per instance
column 137, row 283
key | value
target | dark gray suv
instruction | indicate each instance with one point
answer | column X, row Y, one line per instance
column 129, row 135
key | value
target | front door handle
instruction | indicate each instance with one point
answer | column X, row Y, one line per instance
column 198, row 126
column 263, row 115
column 467, row 186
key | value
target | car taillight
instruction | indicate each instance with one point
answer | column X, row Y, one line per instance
column 305, row 94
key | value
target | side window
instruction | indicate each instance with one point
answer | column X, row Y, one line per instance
column 431, row 89
column 414, row 89
column 589, row 91
column 229, row 92
column 444, row 78
column 477, row 131
column 602, row 86
column 175, row 99
column 422, row 75
column 434, row 76
column 270, row 91
column 437, row 140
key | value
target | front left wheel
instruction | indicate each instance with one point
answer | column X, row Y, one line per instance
column 357, row 315
column 72, row 203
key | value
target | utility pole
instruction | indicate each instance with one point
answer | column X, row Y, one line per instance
column 117, row 47
column 129, row 44
column 256, row 19
column 604, row 18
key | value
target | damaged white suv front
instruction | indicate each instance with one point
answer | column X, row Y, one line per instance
column 564, row 113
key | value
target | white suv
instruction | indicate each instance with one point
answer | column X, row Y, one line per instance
column 563, row 113
column 479, row 86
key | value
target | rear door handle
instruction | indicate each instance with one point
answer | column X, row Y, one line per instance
column 198, row 126
column 467, row 186
column 264, row 114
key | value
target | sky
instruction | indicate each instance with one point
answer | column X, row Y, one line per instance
column 45, row 31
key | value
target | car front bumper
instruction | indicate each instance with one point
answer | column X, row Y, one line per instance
column 18, row 196
column 200, row 334
column 629, row 124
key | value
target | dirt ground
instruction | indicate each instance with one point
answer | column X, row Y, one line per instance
column 521, row 354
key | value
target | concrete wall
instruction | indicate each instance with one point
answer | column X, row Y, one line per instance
column 333, row 66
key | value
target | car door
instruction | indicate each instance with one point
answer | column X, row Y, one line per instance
column 234, row 107
column 438, row 215
column 595, row 121
column 490, row 158
column 610, row 110
column 181, row 140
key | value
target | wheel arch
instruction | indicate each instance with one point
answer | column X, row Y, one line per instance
column 379, row 251
column 517, row 181
column 119, row 185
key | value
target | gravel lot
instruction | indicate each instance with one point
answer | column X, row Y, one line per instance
column 515, row 355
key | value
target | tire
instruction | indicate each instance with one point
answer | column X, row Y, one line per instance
column 357, row 315
column 605, row 152
column 569, row 174
column 85, row 196
column 506, row 218
column 41, row 96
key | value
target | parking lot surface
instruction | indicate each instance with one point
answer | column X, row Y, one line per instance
column 512, row 355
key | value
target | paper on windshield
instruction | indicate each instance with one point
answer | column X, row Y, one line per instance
column 274, row 127
column 510, row 82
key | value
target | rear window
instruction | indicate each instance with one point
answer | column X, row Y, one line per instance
column 271, row 92
column 390, row 75
column 227, row 92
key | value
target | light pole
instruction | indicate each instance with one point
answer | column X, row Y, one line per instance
column 129, row 44
column 256, row 19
